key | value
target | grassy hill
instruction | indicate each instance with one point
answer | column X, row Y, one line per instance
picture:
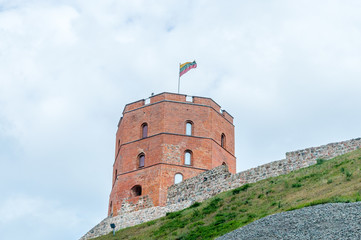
column 335, row 180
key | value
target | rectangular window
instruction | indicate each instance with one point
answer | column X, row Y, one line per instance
column 187, row 158
column 141, row 161
column 189, row 129
column 145, row 131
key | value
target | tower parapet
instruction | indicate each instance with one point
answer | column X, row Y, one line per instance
column 178, row 98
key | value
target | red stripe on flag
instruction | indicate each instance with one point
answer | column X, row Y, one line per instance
column 187, row 69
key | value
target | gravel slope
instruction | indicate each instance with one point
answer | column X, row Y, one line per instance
column 327, row 221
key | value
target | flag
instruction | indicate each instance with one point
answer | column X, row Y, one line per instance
column 185, row 67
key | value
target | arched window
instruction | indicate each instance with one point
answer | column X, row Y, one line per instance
column 136, row 191
column 189, row 128
column 144, row 130
column 141, row 158
column 178, row 178
column 223, row 140
column 187, row 157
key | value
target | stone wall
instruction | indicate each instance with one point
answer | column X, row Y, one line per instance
column 135, row 204
column 219, row 179
column 308, row 156
column 133, row 218
column 200, row 187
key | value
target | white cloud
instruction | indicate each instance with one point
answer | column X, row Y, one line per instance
column 39, row 217
column 15, row 209
column 287, row 71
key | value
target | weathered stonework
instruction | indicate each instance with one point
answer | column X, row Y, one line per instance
column 200, row 187
column 171, row 153
column 135, row 204
column 133, row 218
column 219, row 179
column 196, row 189
column 308, row 156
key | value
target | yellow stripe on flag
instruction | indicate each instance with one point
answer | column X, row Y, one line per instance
column 182, row 65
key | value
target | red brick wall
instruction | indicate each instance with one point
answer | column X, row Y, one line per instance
column 134, row 105
column 164, row 148
column 208, row 102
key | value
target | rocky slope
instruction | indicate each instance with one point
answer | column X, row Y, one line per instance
column 327, row 221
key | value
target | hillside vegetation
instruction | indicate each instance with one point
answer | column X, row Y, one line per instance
column 335, row 180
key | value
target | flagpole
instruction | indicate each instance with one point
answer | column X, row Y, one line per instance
column 179, row 78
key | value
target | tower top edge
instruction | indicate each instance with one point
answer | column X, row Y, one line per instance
column 177, row 98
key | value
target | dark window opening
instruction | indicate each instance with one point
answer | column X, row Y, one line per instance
column 136, row 191
column 223, row 140
column 144, row 130
column 141, row 160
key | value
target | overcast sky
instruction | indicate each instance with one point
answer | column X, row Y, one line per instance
column 288, row 71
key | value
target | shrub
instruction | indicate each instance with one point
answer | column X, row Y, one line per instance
column 196, row 204
column 296, row 185
column 240, row 189
column 196, row 213
column 150, row 223
column 219, row 221
column 348, row 175
column 251, row 216
column 319, row 161
column 312, row 175
column 329, row 181
column 339, row 164
column 170, row 226
column 269, row 191
column 171, row 215
column 358, row 197
column 197, row 224
column 212, row 206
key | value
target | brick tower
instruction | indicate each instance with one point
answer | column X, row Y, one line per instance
column 163, row 140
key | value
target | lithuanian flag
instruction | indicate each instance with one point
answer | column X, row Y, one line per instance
column 185, row 67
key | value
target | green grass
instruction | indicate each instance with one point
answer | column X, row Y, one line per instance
column 335, row 180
